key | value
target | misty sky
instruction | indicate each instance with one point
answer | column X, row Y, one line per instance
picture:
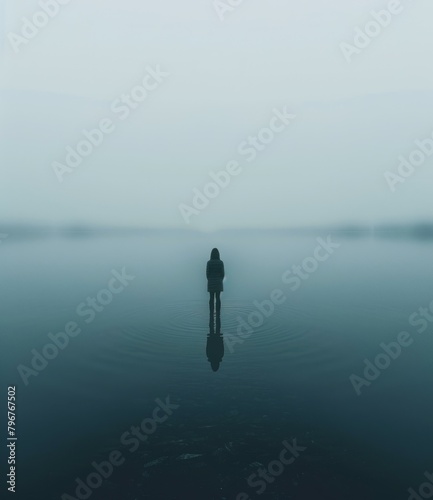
column 226, row 78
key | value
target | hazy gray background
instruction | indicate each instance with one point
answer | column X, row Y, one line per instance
column 353, row 120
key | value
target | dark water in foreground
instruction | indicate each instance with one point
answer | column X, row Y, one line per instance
column 289, row 381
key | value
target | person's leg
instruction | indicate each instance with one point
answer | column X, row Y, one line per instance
column 218, row 322
column 211, row 311
column 218, row 301
column 211, row 324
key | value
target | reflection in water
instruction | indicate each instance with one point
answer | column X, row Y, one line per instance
column 294, row 370
column 215, row 342
column 215, row 276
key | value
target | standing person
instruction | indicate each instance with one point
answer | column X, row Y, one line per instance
column 215, row 276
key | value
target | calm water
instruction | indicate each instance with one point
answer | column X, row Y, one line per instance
column 288, row 380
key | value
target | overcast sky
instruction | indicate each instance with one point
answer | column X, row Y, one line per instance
column 222, row 81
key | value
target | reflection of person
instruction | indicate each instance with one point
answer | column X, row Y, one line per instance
column 215, row 276
column 215, row 350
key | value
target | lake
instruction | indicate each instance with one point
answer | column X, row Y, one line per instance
column 319, row 393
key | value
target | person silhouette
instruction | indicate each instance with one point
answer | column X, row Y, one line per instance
column 215, row 276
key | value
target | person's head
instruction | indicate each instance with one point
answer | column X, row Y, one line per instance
column 215, row 254
column 214, row 365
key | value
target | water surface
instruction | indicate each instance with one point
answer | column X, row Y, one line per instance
column 288, row 380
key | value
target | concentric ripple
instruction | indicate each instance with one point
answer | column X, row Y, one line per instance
column 179, row 329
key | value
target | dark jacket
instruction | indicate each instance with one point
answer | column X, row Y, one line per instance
column 215, row 275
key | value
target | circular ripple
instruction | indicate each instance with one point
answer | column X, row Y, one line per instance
column 286, row 324
column 179, row 325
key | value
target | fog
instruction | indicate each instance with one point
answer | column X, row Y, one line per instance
column 215, row 79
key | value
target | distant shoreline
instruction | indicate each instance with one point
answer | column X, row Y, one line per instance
column 420, row 230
